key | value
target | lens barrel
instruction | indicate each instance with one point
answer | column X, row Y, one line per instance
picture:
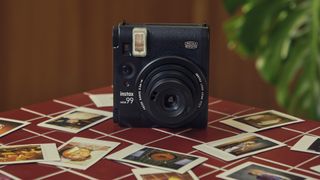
column 171, row 91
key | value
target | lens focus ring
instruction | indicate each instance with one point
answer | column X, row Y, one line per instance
column 171, row 91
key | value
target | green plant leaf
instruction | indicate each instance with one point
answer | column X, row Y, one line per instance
column 232, row 5
column 274, row 53
column 284, row 38
column 257, row 22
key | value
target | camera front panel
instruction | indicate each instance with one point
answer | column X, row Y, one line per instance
column 161, row 77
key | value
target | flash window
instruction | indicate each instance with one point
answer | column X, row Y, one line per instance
column 139, row 42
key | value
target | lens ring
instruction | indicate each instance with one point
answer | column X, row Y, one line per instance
column 189, row 81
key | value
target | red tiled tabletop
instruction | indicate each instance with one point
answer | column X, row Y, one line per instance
column 180, row 140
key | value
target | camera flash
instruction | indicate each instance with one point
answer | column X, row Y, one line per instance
column 139, row 42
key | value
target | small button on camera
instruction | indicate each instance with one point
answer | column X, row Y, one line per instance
column 127, row 70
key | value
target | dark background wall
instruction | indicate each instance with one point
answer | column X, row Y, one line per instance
column 52, row 48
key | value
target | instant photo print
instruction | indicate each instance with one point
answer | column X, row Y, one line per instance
column 309, row 144
column 9, row 125
column 81, row 153
column 239, row 146
column 153, row 174
column 157, row 158
column 29, row 153
column 255, row 171
column 77, row 120
column 261, row 121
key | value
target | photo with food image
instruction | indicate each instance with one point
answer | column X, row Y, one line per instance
column 261, row 121
column 169, row 176
column 254, row 171
column 81, row 153
column 8, row 125
column 76, row 120
column 246, row 145
column 160, row 158
column 21, row 153
column 76, row 152
column 264, row 120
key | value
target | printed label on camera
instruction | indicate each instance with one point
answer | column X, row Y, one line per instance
column 126, row 97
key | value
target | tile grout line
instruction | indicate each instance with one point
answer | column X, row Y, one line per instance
column 33, row 112
column 86, row 105
column 20, row 140
column 64, row 103
column 190, row 139
column 191, row 152
column 239, row 160
column 178, row 134
column 218, row 112
column 227, row 116
column 166, row 137
column 307, row 171
column 43, row 135
column 72, row 105
column 78, row 173
column 119, row 131
column 33, row 119
column 166, row 132
column 226, row 130
column 208, row 173
column 127, row 164
column 301, row 133
column 212, row 167
column 297, row 166
column 115, row 137
column 220, row 119
column 219, row 169
column 273, row 162
column 242, row 111
column 293, row 130
column 124, row 176
column 50, row 175
column 214, row 102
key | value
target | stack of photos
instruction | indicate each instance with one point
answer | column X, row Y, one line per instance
column 9, row 125
column 310, row 144
column 77, row 120
column 81, row 153
column 261, row 121
column 239, row 146
column 154, row 174
column 254, row 171
column 157, row 158
column 28, row 153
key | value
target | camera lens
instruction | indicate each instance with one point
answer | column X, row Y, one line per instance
column 168, row 97
column 171, row 102
column 171, row 91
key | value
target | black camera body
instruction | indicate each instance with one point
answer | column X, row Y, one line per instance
column 160, row 75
